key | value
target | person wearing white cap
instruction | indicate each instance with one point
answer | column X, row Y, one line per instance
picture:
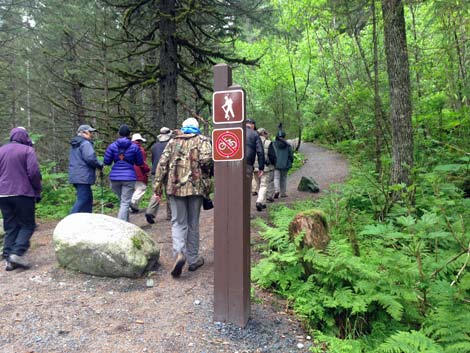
column 142, row 173
column 185, row 168
column 157, row 150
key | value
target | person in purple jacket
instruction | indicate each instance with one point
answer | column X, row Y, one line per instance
column 20, row 189
column 123, row 155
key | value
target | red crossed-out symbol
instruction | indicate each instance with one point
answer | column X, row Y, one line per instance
column 227, row 144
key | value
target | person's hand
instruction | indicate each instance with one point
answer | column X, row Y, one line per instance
column 260, row 173
column 158, row 197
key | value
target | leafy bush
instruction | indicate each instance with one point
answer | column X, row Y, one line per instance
column 394, row 276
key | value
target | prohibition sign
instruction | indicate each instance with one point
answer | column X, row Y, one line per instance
column 227, row 144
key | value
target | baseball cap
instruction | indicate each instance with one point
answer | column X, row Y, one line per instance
column 137, row 137
column 85, row 127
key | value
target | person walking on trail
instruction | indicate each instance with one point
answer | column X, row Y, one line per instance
column 254, row 148
column 157, row 150
column 266, row 189
column 20, row 190
column 284, row 160
column 185, row 168
column 82, row 168
column 142, row 174
column 123, row 154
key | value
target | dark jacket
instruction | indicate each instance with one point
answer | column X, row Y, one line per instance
column 157, row 150
column 82, row 161
column 284, row 154
column 19, row 168
column 254, row 147
column 142, row 172
column 123, row 170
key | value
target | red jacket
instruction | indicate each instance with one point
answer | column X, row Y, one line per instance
column 142, row 172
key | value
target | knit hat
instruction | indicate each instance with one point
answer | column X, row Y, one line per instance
column 191, row 122
column 124, row 131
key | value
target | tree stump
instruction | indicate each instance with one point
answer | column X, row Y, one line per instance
column 313, row 225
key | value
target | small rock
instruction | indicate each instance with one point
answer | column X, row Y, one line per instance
column 197, row 302
column 308, row 338
column 150, row 283
column 300, row 345
column 191, row 344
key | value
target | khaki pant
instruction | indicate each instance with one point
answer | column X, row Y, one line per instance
column 139, row 192
column 266, row 188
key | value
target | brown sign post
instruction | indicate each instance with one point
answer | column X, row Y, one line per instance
column 231, row 203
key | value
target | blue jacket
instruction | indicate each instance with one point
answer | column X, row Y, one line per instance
column 82, row 161
column 123, row 170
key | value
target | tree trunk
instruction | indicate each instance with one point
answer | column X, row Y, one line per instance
column 77, row 98
column 168, row 65
column 400, row 95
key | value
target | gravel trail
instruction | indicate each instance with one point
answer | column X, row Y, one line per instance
column 48, row 309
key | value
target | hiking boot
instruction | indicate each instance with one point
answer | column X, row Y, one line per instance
column 9, row 266
column 150, row 218
column 259, row 206
column 179, row 264
column 19, row 261
column 283, row 195
column 199, row 262
column 270, row 199
column 276, row 195
column 254, row 193
column 264, row 206
column 133, row 209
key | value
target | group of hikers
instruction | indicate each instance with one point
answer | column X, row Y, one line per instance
column 181, row 168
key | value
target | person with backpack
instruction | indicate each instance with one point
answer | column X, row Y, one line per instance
column 284, row 160
column 185, row 169
column 266, row 188
column 123, row 155
column 82, row 168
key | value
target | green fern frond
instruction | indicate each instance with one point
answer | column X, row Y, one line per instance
column 409, row 342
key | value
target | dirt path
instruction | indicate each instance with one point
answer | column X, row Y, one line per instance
column 48, row 309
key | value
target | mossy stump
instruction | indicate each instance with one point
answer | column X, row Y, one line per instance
column 313, row 226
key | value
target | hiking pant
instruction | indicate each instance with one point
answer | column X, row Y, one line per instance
column 84, row 201
column 266, row 188
column 124, row 191
column 18, row 222
column 185, row 225
column 255, row 182
column 280, row 180
column 139, row 192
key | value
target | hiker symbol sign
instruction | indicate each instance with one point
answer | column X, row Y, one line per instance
column 228, row 106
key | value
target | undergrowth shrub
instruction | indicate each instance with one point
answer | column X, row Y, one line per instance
column 394, row 277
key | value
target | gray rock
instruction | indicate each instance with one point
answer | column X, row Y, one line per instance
column 104, row 246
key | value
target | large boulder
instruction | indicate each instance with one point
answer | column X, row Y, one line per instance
column 104, row 246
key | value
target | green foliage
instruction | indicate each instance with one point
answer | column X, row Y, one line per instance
column 58, row 196
column 394, row 281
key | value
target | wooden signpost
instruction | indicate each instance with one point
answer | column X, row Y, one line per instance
column 231, row 202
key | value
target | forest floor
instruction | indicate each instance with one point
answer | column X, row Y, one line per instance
column 49, row 309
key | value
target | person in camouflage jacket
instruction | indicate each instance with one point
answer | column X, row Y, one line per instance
column 185, row 169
